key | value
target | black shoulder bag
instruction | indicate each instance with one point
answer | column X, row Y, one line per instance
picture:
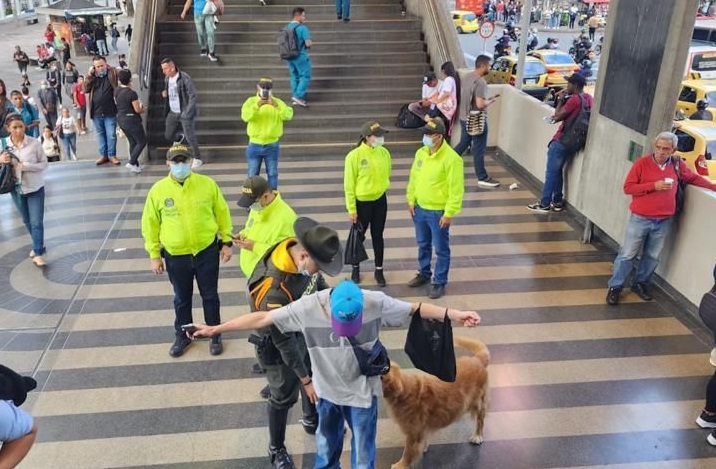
column 8, row 179
column 373, row 362
column 680, row 186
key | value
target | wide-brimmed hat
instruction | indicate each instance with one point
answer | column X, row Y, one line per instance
column 322, row 244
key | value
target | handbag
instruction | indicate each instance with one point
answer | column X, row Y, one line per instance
column 476, row 118
column 8, row 178
column 707, row 309
column 355, row 251
column 429, row 344
column 373, row 362
column 680, row 186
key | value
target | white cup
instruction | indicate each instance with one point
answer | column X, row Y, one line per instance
column 668, row 181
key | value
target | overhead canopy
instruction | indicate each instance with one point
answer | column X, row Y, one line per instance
column 72, row 8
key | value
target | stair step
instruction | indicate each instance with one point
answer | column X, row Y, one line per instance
column 224, row 36
column 383, row 24
column 282, row 84
column 356, row 59
column 236, row 48
column 290, row 3
column 233, row 109
column 255, row 71
column 245, row 10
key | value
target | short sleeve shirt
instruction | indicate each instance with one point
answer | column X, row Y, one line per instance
column 199, row 7
column 14, row 422
column 302, row 34
column 81, row 97
column 124, row 98
column 572, row 108
column 472, row 87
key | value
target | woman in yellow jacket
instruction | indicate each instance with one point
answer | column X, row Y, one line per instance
column 366, row 181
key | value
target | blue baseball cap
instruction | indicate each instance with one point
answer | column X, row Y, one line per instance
column 346, row 309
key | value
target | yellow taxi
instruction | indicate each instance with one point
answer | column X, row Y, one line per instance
column 504, row 71
column 693, row 91
column 559, row 65
column 465, row 21
column 697, row 146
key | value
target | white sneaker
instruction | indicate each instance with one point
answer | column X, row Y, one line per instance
column 712, row 359
column 129, row 166
column 489, row 182
column 299, row 101
column 196, row 163
column 32, row 253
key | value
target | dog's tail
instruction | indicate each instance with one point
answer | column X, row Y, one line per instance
column 477, row 347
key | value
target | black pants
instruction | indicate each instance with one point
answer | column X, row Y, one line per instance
column 175, row 126
column 134, row 130
column 711, row 394
column 373, row 214
column 182, row 270
column 591, row 33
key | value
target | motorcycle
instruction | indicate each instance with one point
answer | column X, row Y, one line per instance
column 502, row 50
column 598, row 48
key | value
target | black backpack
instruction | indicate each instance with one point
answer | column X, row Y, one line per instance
column 288, row 43
column 408, row 120
column 574, row 136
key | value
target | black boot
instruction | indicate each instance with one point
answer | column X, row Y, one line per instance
column 277, row 420
column 355, row 274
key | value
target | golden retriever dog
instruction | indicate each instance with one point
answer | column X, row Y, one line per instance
column 422, row 404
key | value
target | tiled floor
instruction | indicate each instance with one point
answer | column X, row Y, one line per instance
column 574, row 383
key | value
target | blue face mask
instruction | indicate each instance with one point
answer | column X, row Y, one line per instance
column 101, row 73
column 180, row 171
column 427, row 141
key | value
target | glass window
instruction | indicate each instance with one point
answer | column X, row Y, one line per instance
column 711, row 96
column 686, row 142
column 534, row 69
column 558, row 59
column 470, row 17
column 710, row 149
column 687, row 94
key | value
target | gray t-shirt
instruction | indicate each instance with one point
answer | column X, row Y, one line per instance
column 336, row 375
column 473, row 87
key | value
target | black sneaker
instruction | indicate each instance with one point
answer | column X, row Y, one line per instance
column 203, row 53
column 706, row 421
column 613, row 295
column 257, row 369
column 339, row 17
column 280, row 458
column 265, row 393
column 309, row 424
column 180, row 345
column 379, row 277
column 712, row 438
column 489, row 183
column 216, row 347
column 557, row 207
column 641, row 291
column 436, row 291
column 418, row 281
column 538, row 208
column 355, row 274
column 346, row 20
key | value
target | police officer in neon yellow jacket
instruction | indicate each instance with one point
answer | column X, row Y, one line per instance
column 435, row 190
column 187, row 223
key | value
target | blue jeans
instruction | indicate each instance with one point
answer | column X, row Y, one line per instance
column 102, row 47
column 70, row 142
column 300, row 70
column 106, row 128
column 343, row 8
column 478, row 145
column 32, row 209
column 643, row 235
column 205, row 31
column 329, row 436
column 557, row 157
column 268, row 153
column 114, row 44
column 428, row 234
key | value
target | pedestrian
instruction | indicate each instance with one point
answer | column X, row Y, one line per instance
column 100, row 39
column 425, row 108
column 18, row 430
column 29, row 161
column 50, row 145
column 435, row 190
column 69, row 77
column 366, row 182
column 28, row 112
column 448, row 95
column 569, row 104
column 6, row 107
column 264, row 115
column 592, row 24
column 180, row 108
column 300, row 67
column 54, row 80
column 204, row 28
column 22, row 60
column 65, row 51
column 572, row 16
column 100, row 84
column 122, row 59
column 334, row 322
column 47, row 102
column 343, row 10
column 49, row 36
column 129, row 118
column 79, row 100
column 186, row 226
column 707, row 419
column 114, row 36
column 652, row 183
column 702, row 111
column 473, row 96
column 67, row 129
column 128, row 34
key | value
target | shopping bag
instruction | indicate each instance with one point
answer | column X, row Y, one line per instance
column 707, row 309
column 429, row 345
column 355, row 251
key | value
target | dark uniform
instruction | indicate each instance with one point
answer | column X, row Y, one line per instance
column 702, row 115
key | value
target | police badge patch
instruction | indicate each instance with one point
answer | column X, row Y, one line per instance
column 169, row 202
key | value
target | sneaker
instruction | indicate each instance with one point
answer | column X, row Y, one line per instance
column 538, row 208
column 355, row 274
column 203, row 53
column 216, row 347
column 309, row 424
column 265, row 392
column 712, row 358
column 39, row 261
column 489, row 182
column 180, row 345
column 101, row 160
column 613, row 296
column 706, row 421
column 135, row 169
column 257, row 369
column 196, row 163
column 262, row 3
column 346, row 20
column 641, row 291
column 83, row 132
column 181, row 140
column 557, row 207
column 280, row 458
column 299, row 101
column 213, row 57
column 712, row 438
column 418, row 281
column 32, row 254
column 379, row 277
column 436, row 291
column 339, row 17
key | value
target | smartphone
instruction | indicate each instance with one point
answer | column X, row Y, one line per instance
column 496, row 96
column 190, row 328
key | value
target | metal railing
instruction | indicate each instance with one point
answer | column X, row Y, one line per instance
column 439, row 30
column 146, row 49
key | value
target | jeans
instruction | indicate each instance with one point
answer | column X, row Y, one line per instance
column 32, row 209
column 114, row 44
column 329, row 436
column 70, row 143
column 172, row 125
column 557, row 158
column 343, row 8
column 205, row 31
column 268, row 153
column 428, row 234
column 134, row 130
column 106, row 128
column 300, row 70
column 182, row 270
column 102, row 47
column 643, row 235
column 478, row 145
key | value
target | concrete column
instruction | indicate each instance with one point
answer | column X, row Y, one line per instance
column 2, row 9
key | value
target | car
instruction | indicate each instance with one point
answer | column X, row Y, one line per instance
column 504, row 71
column 697, row 146
column 693, row 91
column 559, row 65
column 465, row 21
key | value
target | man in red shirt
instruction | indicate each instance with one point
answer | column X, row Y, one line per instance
column 652, row 183
column 79, row 99
column 569, row 104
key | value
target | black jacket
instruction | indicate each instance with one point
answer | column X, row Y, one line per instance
column 187, row 96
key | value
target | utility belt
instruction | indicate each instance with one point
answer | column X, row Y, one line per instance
column 266, row 351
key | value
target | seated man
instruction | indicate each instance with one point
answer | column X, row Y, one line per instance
column 424, row 108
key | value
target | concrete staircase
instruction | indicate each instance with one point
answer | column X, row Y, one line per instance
column 362, row 70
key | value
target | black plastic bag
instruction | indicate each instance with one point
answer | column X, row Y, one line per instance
column 408, row 120
column 355, row 251
column 707, row 309
column 429, row 345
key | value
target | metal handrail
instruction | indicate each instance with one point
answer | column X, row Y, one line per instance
column 147, row 48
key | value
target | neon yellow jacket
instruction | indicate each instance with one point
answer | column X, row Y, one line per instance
column 436, row 181
column 184, row 218
column 265, row 123
column 366, row 175
column 266, row 228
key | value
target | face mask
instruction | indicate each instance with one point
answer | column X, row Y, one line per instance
column 378, row 142
column 256, row 207
column 180, row 171
column 303, row 271
column 101, row 73
column 427, row 141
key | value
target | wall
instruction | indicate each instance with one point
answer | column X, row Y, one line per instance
column 439, row 30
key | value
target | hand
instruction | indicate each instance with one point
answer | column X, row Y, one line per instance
column 662, row 186
column 164, row 93
column 444, row 222
column 411, row 210
column 202, row 330
column 244, row 243
column 183, row 15
column 90, row 71
column 311, row 392
column 264, row 101
column 353, row 217
column 467, row 318
column 5, row 158
column 157, row 266
column 226, row 253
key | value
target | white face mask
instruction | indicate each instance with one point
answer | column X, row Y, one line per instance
column 256, row 207
column 427, row 141
column 378, row 142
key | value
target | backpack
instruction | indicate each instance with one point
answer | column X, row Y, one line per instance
column 408, row 120
column 574, row 136
column 288, row 43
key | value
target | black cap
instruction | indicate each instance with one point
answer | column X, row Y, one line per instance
column 253, row 188
column 577, row 79
column 428, row 77
column 178, row 150
column 372, row 128
column 434, row 126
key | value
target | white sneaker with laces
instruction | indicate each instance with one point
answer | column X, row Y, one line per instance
column 489, row 182
column 712, row 359
column 196, row 163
